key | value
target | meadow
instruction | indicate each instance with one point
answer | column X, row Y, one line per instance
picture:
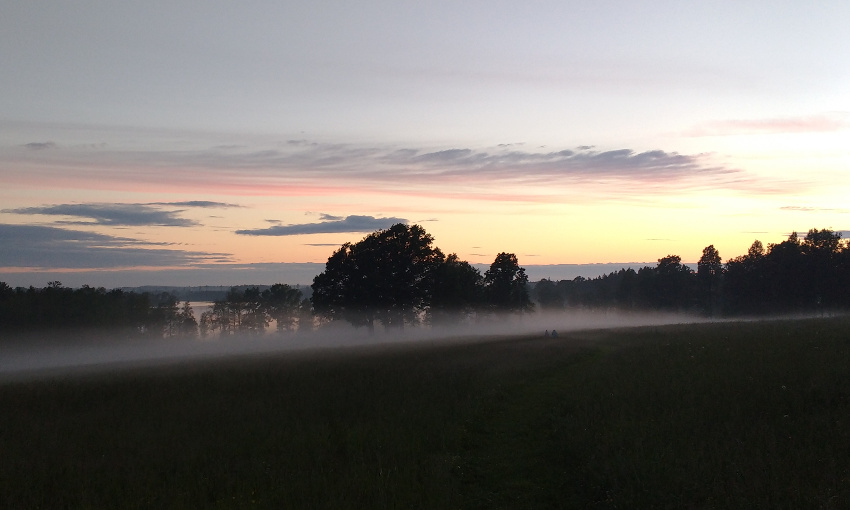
column 718, row 415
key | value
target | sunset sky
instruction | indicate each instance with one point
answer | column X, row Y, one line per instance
column 218, row 143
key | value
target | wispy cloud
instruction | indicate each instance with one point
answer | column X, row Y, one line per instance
column 544, row 166
column 34, row 246
column 337, row 226
column 39, row 146
column 206, row 204
column 805, row 208
column 110, row 214
column 820, row 123
column 307, row 168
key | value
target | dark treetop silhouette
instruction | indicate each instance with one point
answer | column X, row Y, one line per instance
column 395, row 276
column 808, row 275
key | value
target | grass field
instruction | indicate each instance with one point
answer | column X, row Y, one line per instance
column 724, row 415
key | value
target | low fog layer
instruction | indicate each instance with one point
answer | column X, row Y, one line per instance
column 51, row 355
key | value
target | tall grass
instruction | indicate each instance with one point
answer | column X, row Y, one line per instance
column 731, row 415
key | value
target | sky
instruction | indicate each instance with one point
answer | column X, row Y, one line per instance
column 220, row 143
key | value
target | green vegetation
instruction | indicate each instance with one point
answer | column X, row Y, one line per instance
column 725, row 415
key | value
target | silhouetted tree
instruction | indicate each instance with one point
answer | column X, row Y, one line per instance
column 785, row 274
column 281, row 303
column 387, row 277
column 506, row 285
column 673, row 281
column 548, row 296
column 822, row 250
column 239, row 312
column 166, row 313
column 457, row 291
column 187, row 323
column 340, row 291
column 745, row 287
column 254, row 319
column 626, row 293
column 305, row 316
column 709, row 275
column 207, row 324
column 170, row 319
column 842, row 268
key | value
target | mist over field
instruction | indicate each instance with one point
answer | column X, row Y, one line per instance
column 395, row 288
column 57, row 353
column 280, row 254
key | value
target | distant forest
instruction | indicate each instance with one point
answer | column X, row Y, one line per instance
column 397, row 278
column 795, row 276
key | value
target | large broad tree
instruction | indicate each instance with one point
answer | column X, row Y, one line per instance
column 386, row 277
column 506, row 285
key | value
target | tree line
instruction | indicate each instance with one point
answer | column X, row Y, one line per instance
column 150, row 315
column 805, row 275
column 393, row 277
column 251, row 311
column 55, row 307
column 397, row 278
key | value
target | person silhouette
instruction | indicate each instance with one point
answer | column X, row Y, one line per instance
column 554, row 334
column 546, row 334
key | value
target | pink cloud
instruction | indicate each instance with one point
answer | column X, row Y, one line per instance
column 822, row 123
column 499, row 174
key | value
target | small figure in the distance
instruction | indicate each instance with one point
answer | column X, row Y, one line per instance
column 554, row 334
column 546, row 334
